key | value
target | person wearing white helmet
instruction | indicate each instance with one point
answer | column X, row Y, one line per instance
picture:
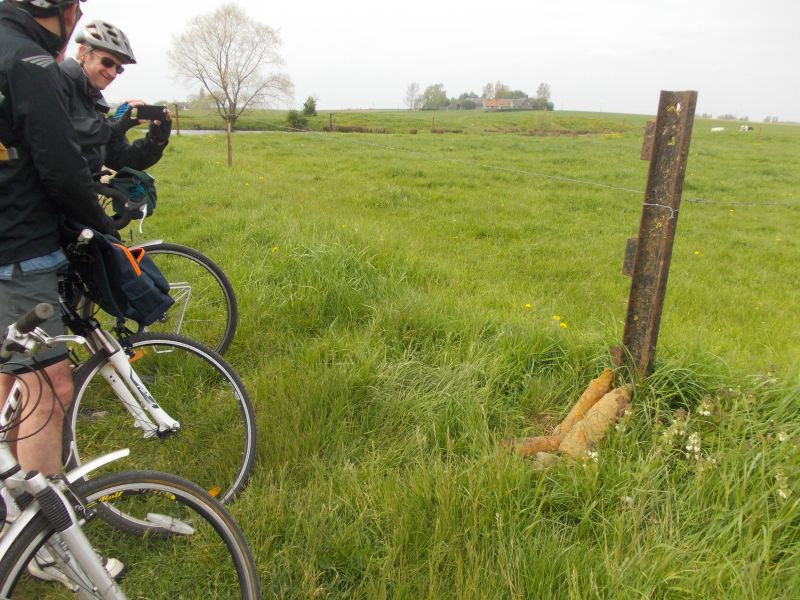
column 102, row 53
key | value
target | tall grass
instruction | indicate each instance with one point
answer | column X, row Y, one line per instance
column 399, row 296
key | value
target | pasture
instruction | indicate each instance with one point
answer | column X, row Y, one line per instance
column 408, row 301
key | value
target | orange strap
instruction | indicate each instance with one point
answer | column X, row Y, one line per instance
column 133, row 260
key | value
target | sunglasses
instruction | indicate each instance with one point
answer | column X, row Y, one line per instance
column 109, row 64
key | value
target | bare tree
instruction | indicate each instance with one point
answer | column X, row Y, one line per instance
column 229, row 54
column 543, row 92
column 412, row 96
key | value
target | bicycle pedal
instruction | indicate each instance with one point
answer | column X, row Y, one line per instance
column 170, row 524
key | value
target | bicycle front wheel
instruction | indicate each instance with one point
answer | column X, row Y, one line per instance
column 205, row 306
column 216, row 442
column 192, row 547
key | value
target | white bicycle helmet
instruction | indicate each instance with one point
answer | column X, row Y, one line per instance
column 102, row 35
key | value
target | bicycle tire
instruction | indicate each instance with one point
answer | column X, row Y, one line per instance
column 214, row 560
column 216, row 444
column 205, row 306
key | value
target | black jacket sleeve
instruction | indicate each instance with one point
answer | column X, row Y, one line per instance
column 141, row 154
column 39, row 91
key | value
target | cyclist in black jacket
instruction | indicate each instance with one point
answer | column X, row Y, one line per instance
column 103, row 51
column 43, row 177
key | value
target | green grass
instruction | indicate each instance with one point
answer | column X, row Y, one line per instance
column 397, row 296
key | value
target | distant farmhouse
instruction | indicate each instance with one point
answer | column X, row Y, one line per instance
column 506, row 103
column 500, row 104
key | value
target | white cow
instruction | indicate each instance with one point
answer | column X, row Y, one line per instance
column 745, row 128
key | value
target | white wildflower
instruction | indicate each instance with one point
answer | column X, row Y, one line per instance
column 693, row 445
column 783, row 492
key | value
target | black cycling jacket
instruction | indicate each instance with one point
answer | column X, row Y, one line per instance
column 45, row 177
column 101, row 145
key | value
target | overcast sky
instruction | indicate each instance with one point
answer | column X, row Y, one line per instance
column 613, row 56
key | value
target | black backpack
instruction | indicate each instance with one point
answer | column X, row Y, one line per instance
column 124, row 282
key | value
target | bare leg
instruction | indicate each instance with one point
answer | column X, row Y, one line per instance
column 39, row 434
column 6, row 382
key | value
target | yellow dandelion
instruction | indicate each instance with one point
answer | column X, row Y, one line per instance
column 698, row 253
column 556, row 318
column 247, row 184
column 563, row 325
column 528, row 306
column 274, row 249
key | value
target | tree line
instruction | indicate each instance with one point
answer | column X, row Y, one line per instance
column 435, row 97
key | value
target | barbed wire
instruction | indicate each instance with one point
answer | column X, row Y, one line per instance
column 559, row 178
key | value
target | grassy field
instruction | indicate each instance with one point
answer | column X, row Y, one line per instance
column 472, row 121
column 409, row 301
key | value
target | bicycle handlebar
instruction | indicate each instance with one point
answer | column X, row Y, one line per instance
column 35, row 317
column 131, row 209
column 24, row 325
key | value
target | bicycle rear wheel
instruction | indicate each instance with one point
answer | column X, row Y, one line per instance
column 192, row 549
column 215, row 445
column 205, row 306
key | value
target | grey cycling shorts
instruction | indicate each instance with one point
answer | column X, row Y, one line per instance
column 20, row 291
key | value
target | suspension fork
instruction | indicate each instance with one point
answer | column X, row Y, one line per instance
column 126, row 384
column 130, row 389
column 68, row 546
column 69, row 542
column 118, row 372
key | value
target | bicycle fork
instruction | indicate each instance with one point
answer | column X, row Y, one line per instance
column 69, row 546
column 83, row 570
column 120, row 375
column 128, row 387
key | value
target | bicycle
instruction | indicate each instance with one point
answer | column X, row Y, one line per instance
column 205, row 307
column 168, row 397
column 167, row 528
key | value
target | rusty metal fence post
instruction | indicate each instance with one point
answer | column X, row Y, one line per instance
column 648, row 256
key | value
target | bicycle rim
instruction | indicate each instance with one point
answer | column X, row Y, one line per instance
column 205, row 306
column 215, row 445
column 193, row 548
